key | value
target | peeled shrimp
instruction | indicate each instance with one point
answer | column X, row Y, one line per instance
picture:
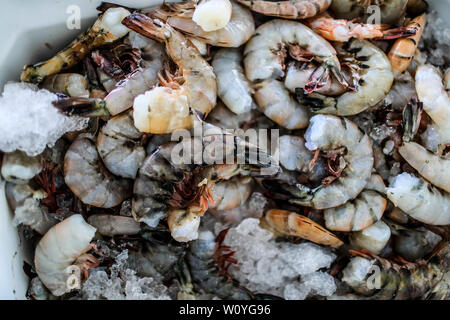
column 373, row 238
column 360, row 213
column 170, row 107
column 106, row 29
column 235, row 33
column 295, row 9
column 230, row 194
column 373, row 79
column 233, row 88
column 87, row 177
column 71, row 84
column 212, row 15
column 63, row 249
column 293, row 224
column 430, row 166
column 19, row 168
column 419, row 199
column 119, row 146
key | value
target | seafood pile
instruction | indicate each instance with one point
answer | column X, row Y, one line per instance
column 234, row 149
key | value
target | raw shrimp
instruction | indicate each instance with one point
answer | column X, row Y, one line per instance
column 230, row 194
column 237, row 31
column 295, row 9
column 87, row 177
column 106, row 29
column 436, row 102
column 360, row 213
column 264, row 57
column 122, row 93
column 233, row 88
column 212, row 15
column 343, row 30
column 419, row 199
column 332, row 133
column 63, row 250
column 403, row 50
column 390, row 10
column 277, row 104
column 19, row 168
column 430, row 166
column 184, row 280
column 372, row 74
column 288, row 223
column 119, row 145
column 373, row 238
column 71, row 84
column 111, row 225
column 197, row 93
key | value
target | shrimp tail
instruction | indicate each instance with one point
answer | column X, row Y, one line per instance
column 412, row 115
column 401, row 32
column 144, row 25
column 85, row 107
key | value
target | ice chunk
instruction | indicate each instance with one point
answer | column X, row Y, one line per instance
column 29, row 122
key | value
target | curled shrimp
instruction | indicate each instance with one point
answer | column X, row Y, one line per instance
column 119, row 146
column 106, row 29
column 121, row 94
column 292, row 224
column 230, row 194
column 233, row 88
column 343, row 30
column 63, row 250
column 373, row 238
column 235, row 33
column 430, row 166
column 71, row 84
column 327, row 132
column 436, row 102
column 296, row 9
column 19, row 168
column 419, row 199
column 403, row 50
column 358, row 214
column 264, row 57
column 390, row 10
column 197, row 92
column 371, row 73
column 87, row 177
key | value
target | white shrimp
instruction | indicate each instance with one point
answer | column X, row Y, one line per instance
column 71, row 84
column 235, row 33
column 19, row 168
column 277, row 104
column 419, row 199
column 430, row 166
column 373, row 238
column 61, row 251
column 212, row 15
column 231, row 193
column 360, row 213
column 436, row 102
column 233, row 88
column 293, row 9
column 329, row 133
column 171, row 107
column 264, row 51
column 372, row 76
column 119, row 145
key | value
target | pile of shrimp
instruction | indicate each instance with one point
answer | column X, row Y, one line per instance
column 363, row 162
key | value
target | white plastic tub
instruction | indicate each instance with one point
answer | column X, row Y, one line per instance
column 32, row 31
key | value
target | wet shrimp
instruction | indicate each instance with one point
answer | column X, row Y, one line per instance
column 233, row 88
column 372, row 76
column 212, row 15
column 230, row 194
column 436, row 102
column 121, row 95
column 390, row 10
column 106, row 29
column 419, row 199
column 111, row 225
column 430, row 166
column 62, row 251
column 196, row 93
column 71, row 84
column 343, row 30
column 296, row 9
column 235, row 33
column 89, row 179
column 288, row 223
column 403, row 50
column 373, row 238
column 19, row 168
column 358, row 214
column 327, row 132
column 119, row 144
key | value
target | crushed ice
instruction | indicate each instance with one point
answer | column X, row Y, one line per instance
column 29, row 122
